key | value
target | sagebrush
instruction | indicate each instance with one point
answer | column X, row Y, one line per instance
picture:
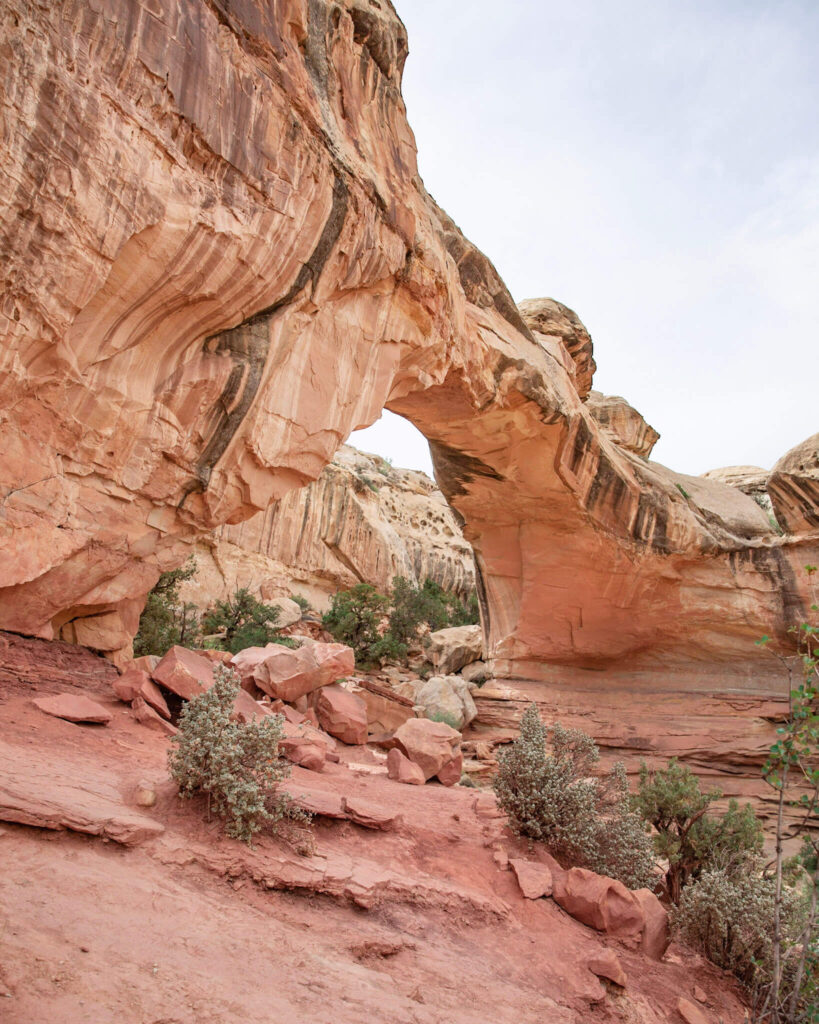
column 236, row 766
column 556, row 800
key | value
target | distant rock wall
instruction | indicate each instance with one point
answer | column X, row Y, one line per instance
column 361, row 521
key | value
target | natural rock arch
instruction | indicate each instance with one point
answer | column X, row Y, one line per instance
column 221, row 260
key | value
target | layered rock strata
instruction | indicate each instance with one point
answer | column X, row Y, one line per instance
column 219, row 260
column 361, row 522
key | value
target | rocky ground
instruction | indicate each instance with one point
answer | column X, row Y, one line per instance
column 113, row 911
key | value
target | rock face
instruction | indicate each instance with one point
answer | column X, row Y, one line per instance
column 794, row 488
column 622, row 423
column 219, row 260
column 361, row 521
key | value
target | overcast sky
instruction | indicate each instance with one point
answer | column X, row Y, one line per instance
column 654, row 164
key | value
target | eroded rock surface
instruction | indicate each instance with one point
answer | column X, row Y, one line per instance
column 794, row 488
column 361, row 521
column 219, row 259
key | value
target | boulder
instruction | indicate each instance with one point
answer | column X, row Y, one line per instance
column 289, row 612
column 246, row 709
column 74, row 708
column 433, row 746
column 136, row 683
column 476, row 673
column 607, row 965
column 535, row 880
column 401, row 769
column 656, row 935
column 146, row 663
column 450, row 649
column 342, row 714
column 386, row 711
column 624, row 425
column 184, row 673
column 690, row 1012
column 451, row 772
column 282, row 672
column 794, row 488
column 447, row 699
column 600, row 902
column 305, row 746
column 146, row 715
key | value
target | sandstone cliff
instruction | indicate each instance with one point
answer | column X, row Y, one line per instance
column 219, row 259
column 361, row 521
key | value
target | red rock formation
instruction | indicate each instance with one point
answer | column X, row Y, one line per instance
column 361, row 521
column 794, row 488
column 219, row 260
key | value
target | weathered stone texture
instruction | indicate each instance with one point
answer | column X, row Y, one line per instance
column 219, row 260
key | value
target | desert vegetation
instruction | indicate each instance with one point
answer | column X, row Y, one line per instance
column 755, row 919
column 235, row 766
column 381, row 627
column 239, row 621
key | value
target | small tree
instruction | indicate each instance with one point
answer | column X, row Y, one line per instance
column 237, row 766
column 166, row 620
column 244, row 622
column 792, row 770
column 552, row 799
column 671, row 800
column 355, row 618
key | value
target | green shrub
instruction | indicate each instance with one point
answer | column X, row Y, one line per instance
column 430, row 605
column 301, row 601
column 726, row 915
column 244, row 622
column 686, row 836
column 553, row 800
column 354, row 618
column 166, row 620
column 236, row 766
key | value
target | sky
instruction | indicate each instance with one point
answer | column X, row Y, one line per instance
column 653, row 164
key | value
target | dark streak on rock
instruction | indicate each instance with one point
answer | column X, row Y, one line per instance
column 454, row 469
column 248, row 343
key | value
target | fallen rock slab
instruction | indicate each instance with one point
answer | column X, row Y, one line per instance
column 607, row 965
column 184, row 673
column 138, row 683
column 386, row 711
column 288, row 674
column 601, row 903
column 146, row 715
column 690, row 1012
column 450, row 649
column 535, row 880
column 433, row 746
column 37, row 788
column 74, row 708
column 656, row 935
column 362, row 812
column 246, row 709
column 342, row 714
column 401, row 769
